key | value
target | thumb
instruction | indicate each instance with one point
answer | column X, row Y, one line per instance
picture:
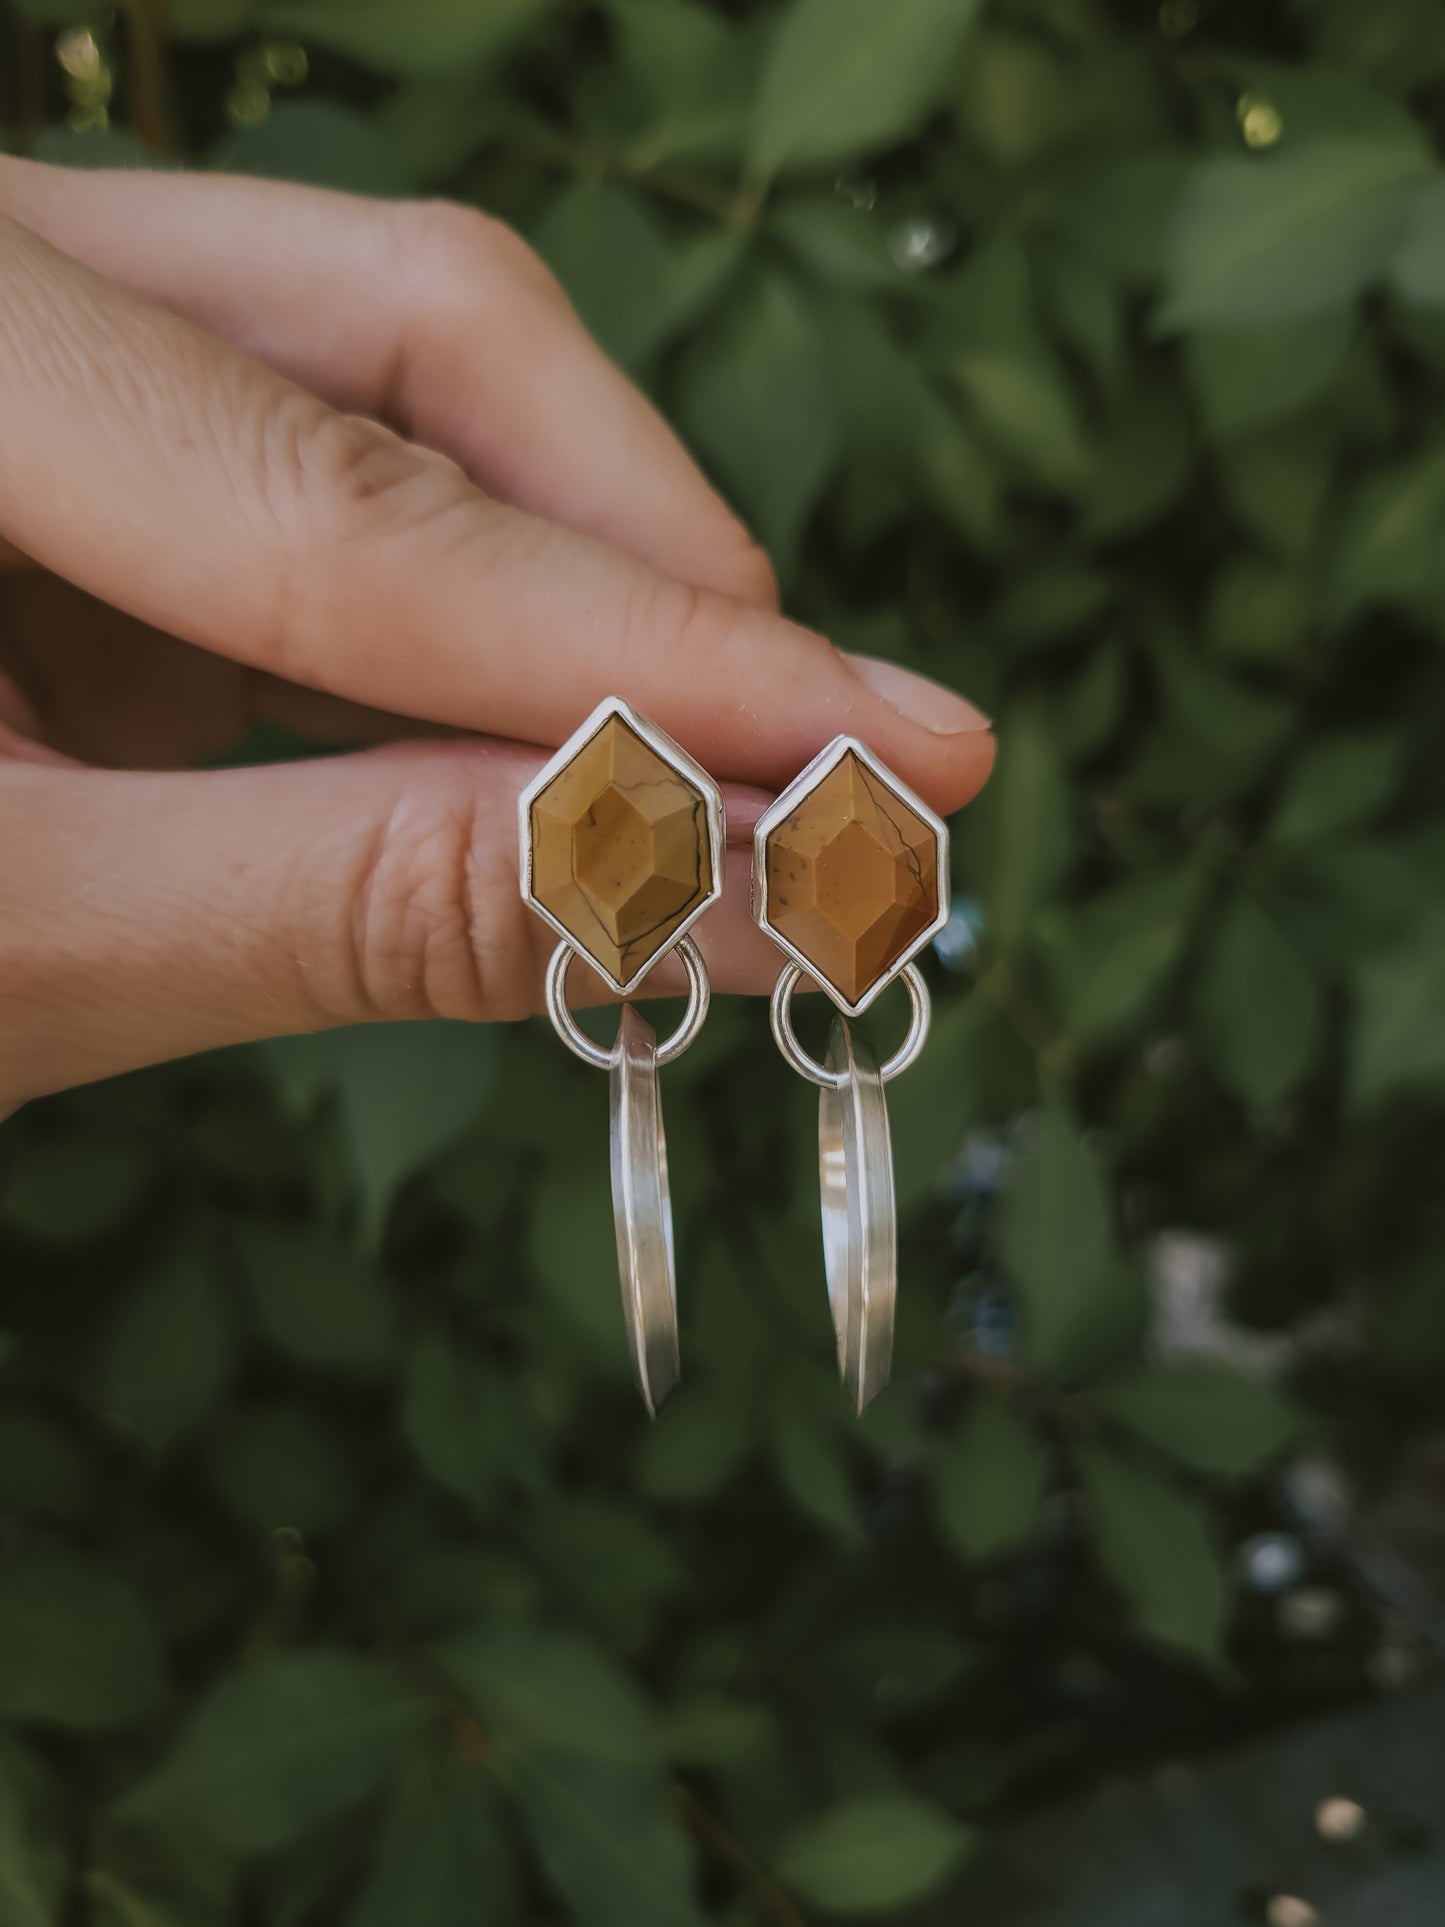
column 146, row 916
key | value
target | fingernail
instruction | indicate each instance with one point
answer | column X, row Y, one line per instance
column 919, row 698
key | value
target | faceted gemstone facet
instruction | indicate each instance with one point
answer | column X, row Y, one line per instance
column 620, row 851
column 852, row 878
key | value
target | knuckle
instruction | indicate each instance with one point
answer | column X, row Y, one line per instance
column 434, row 921
column 459, row 253
column 749, row 572
column 334, row 486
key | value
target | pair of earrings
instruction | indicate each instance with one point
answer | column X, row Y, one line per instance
column 622, row 844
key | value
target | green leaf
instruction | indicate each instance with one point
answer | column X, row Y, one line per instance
column 1221, row 735
column 407, row 1091
column 754, row 396
column 551, row 1692
column 280, row 1746
column 1080, row 1304
column 317, row 142
column 33, row 1854
column 578, row 1749
column 78, row 1647
column 429, row 36
column 1017, row 387
column 1276, row 484
column 877, row 1853
column 43, row 1470
column 1260, row 612
column 1143, row 463
column 607, row 249
column 281, row 1466
column 1339, row 783
column 1417, row 266
column 679, row 80
column 843, row 78
column 992, row 1477
column 455, row 1416
column 695, row 1445
column 1399, row 1036
column 1119, row 210
column 1389, row 547
column 1155, row 1543
column 1246, row 378
column 1020, row 96
column 25, row 1899
column 842, row 245
column 608, row 1557
column 1264, row 241
column 812, row 1469
column 315, row 1299
column 716, row 1731
column 447, row 1861
column 1026, row 823
column 171, row 1351
column 80, row 1186
column 1261, row 1007
column 608, row 1842
column 1209, row 1416
column 1112, row 959
column 574, row 1249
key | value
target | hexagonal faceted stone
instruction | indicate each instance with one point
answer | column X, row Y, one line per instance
column 852, row 879
column 620, row 850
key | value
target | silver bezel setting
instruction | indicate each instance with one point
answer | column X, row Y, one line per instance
column 678, row 760
column 822, row 765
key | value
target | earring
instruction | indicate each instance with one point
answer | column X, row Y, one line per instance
column 850, row 878
column 622, row 840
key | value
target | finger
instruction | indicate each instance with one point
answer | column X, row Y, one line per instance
column 164, row 472
column 107, row 689
column 431, row 317
column 148, row 916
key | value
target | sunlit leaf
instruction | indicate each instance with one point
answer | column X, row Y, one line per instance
column 873, row 1854
column 844, row 77
column 1282, row 238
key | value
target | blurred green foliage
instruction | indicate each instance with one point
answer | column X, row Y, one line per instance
column 1090, row 358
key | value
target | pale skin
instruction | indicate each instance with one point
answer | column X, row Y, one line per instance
column 269, row 453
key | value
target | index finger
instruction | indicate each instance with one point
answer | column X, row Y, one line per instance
column 165, row 472
column 428, row 316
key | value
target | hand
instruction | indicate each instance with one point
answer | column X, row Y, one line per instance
column 204, row 523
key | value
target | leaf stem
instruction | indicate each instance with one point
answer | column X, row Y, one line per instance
column 710, row 1832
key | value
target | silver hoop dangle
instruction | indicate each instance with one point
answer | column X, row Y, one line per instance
column 850, row 878
column 622, row 841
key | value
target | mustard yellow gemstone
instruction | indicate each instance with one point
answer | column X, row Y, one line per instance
column 852, row 879
column 620, row 852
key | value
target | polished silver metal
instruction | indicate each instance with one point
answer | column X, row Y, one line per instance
column 699, row 997
column 855, row 1155
column 822, row 765
column 677, row 758
column 642, row 1210
column 641, row 1201
column 781, row 1011
column 860, row 1223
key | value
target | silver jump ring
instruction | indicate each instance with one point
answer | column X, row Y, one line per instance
column 831, row 1080
column 699, row 996
column 860, row 1223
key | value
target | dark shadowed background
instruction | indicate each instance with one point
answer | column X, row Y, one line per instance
column 1091, row 358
